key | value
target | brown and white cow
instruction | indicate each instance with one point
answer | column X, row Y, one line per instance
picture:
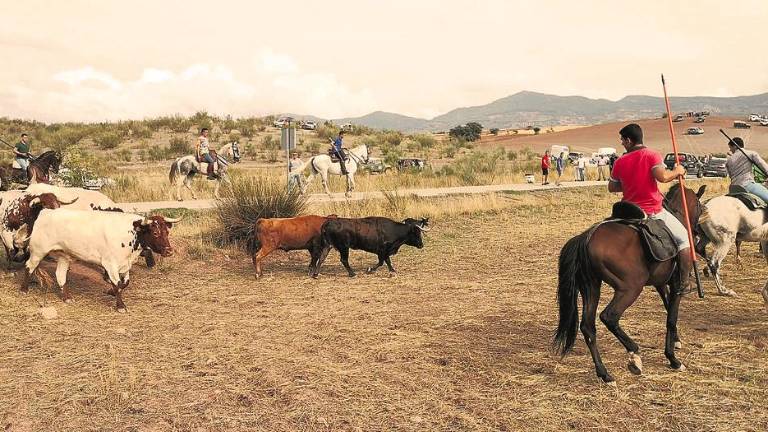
column 19, row 214
column 298, row 233
column 111, row 240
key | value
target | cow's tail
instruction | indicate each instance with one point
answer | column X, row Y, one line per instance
column 574, row 275
column 174, row 172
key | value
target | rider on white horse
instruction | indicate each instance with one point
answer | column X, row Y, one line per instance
column 739, row 168
column 339, row 151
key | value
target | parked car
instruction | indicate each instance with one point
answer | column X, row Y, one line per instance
column 715, row 167
column 699, row 119
column 346, row 127
column 309, row 125
column 691, row 163
column 678, row 118
column 282, row 121
column 695, row 131
column 754, row 117
column 411, row 163
column 764, row 122
column 376, row 166
column 741, row 125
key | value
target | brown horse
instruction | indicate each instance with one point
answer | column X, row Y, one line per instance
column 615, row 254
column 37, row 172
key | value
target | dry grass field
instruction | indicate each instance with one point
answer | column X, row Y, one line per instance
column 459, row 340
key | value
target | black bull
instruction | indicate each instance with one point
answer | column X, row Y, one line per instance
column 377, row 235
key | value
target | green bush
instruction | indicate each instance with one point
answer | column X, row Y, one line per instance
column 250, row 199
column 141, row 132
column 468, row 167
column 426, row 141
column 468, row 132
column 108, row 140
column 124, row 155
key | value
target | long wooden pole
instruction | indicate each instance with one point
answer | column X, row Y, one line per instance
column 682, row 188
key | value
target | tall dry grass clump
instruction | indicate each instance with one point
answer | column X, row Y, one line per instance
column 249, row 200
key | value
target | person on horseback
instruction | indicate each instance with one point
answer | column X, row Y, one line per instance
column 337, row 149
column 204, row 153
column 636, row 174
column 21, row 151
column 739, row 168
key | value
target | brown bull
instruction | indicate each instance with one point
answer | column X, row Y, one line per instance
column 299, row 233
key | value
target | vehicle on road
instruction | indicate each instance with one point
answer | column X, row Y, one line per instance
column 692, row 164
column 282, row 121
column 764, row 122
column 376, row 166
column 754, row 117
column 741, row 125
column 411, row 163
column 715, row 167
column 699, row 119
column 557, row 150
column 695, row 131
column 678, row 118
column 308, row 125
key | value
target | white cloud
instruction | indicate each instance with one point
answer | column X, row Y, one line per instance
column 152, row 75
column 77, row 77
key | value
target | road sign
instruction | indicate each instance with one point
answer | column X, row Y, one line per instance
column 288, row 138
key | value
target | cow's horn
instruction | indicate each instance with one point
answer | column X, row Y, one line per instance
column 34, row 200
column 173, row 220
column 146, row 221
column 422, row 228
column 68, row 203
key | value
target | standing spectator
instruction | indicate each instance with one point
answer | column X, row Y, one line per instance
column 602, row 164
column 581, row 165
column 560, row 166
column 545, row 164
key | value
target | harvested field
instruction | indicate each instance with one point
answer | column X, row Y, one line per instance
column 459, row 340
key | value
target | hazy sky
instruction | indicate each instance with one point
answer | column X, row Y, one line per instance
column 108, row 60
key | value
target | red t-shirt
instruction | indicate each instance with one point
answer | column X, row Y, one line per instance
column 634, row 172
column 545, row 162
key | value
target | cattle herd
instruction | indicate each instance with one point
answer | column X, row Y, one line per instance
column 73, row 224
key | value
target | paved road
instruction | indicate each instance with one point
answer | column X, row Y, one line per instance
column 140, row 207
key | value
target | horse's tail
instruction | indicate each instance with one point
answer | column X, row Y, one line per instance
column 174, row 171
column 574, row 275
column 312, row 165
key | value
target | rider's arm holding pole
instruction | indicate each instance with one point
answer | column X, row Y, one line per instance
column 663, row 175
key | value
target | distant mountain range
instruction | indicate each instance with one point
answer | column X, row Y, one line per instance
column 539, row 109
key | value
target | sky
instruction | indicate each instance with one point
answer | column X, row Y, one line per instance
column 80, row 60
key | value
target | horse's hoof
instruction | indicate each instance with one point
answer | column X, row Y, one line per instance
column 635, row 364
column 609, row 381
column 370, row 270
column 68, row 301
column 122, row 310
column 392, row 274
column 680, row 368
column 352, row 275
column 678, row 345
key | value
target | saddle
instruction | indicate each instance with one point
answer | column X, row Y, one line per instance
column 213, row 154
column 752, row 201
column 335, row 158
column 657, row 240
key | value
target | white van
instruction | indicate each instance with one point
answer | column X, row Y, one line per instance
column 557, row 150
column 606, row 151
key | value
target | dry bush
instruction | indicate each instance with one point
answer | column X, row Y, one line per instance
column 250, row 199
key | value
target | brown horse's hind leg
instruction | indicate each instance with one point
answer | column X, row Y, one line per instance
column 672, row 337
column 623, row 298
column 589, row 331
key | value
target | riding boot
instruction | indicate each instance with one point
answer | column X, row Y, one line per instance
column 343, row 166
column 685, row 265
column 211, row 174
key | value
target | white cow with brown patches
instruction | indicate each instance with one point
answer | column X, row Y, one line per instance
column 111, row 240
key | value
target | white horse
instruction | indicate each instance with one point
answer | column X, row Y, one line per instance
column 183, row 170
column 323, row 165
column 727, row 221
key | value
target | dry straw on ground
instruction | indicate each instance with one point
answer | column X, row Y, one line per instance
column 459, row 340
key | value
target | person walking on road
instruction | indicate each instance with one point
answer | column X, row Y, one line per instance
column 559, row 166
column 545, row 165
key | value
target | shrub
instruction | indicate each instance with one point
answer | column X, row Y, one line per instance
column 124, row 155
column 107, row 140
column 468, row 167
column 250, row 199
column 425, row 140
column 179, row 146
column 536, row 130
column 270, row 143
column 494, row 131
column 511, row 155
column 142, row 132
column 469, row 132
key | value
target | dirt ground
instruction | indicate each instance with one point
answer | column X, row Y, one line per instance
column 459, row 340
